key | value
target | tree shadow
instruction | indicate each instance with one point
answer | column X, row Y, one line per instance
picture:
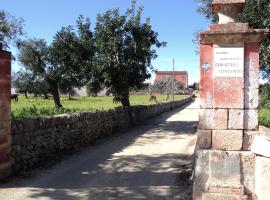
column 117, row 168
column 140, row 177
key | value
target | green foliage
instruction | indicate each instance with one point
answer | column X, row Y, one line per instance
column 264, row 117
column 36, row 106
column 72, row 52
column 35, row 55
column 196, row 86
column 264, row 113
column 205, row 9
column 10, row 28
column 66, row 64
column 25, row 82
column 265, row 95
column 117, row 56
column 27, row 112
column 22, row 81
column 93, row 88
column 257, row 13
column 124, row 51
column 40, row 87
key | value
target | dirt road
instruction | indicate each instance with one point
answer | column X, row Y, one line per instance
column 148, row 162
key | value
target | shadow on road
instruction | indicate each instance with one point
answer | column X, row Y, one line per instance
column 144, row 163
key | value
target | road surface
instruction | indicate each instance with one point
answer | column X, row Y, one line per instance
column 144, row 163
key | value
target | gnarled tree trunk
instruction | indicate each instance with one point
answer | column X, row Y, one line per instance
column 55, row 93
column 126, row 105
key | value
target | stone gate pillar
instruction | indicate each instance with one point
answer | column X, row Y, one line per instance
column 5, row 119
column 228, row 121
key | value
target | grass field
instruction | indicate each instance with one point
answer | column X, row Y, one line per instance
column 264, row 117
column 32, row 106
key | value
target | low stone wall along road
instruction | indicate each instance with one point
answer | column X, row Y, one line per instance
column 152, row 161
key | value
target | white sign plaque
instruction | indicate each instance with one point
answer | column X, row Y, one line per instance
column 228, row 62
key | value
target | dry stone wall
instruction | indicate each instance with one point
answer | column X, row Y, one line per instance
column 41, row 139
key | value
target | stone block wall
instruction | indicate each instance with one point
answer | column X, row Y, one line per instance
column 41, row 139
column 228, row 123
column 223, row 169
column 226, row 167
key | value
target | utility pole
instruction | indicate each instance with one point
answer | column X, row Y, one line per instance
column 173, row 79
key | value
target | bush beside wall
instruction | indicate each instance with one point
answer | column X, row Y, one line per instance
column 41, row 139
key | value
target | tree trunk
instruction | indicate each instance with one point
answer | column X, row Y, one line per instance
column 46, row 96
column 126, row 105
column 56, row 96
column 125, row 102
column 168, row 96
column 25, row 94
column 69, row 96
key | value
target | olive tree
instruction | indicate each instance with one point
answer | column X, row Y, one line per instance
column 124, row 51
column 10, row 28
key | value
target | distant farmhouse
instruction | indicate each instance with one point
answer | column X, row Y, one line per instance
column 181, row 76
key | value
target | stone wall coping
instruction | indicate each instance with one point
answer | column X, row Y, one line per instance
column 228, row 2
column 229, row 27
column 218, row 4
column 44, row 122
column 249, row 31
column 97, row 111
column 252, row 35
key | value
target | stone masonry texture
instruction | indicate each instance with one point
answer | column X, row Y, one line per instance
column 41, row 139
column 224, row 170
column 230, row 140
column 5, row 132
column 215, row 196
column 228, row 93
column 204, row 139
column 220, row 119
column 206, row 81
column 237, row 164
column 248, row 172
column 205, row 119
column 248, row 139
column 262, row 177
column 251, row 119
column 236, row 119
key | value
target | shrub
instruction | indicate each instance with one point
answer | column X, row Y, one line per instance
column 34, row 111
column 264, row 117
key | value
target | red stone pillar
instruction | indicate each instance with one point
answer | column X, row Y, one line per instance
column 228, row 120
column 5, row 118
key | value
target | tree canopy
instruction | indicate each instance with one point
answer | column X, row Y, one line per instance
column 116, row 55
column 72, row 52
column 10, row 28
column 23, row 81
column 124, row 51
column 66, row 63
column 35, row 55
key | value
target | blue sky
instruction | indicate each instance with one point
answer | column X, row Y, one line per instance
column 176, row 21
